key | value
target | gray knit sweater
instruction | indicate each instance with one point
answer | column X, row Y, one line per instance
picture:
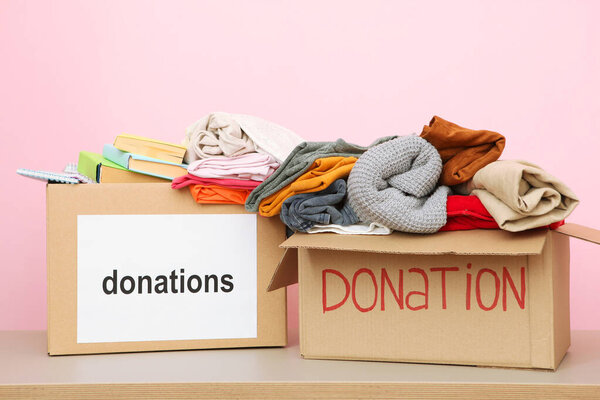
column 394, row 184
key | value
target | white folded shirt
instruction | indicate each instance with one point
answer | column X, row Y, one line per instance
column 357, row 229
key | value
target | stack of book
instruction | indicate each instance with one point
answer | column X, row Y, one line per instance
column 134, row 159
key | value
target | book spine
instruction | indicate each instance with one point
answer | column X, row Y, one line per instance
column 170, row 178
column 115, row 155
column 87, row 166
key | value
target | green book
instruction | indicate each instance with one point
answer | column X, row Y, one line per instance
column 102, row 170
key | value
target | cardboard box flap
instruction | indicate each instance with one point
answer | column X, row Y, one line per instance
column 286, row 272
column 482, row 242
column 580, row 232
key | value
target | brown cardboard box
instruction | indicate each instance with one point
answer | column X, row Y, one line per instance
column 489, row 298
column 71, row 207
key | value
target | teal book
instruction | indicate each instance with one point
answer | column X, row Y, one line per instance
column 144, row 165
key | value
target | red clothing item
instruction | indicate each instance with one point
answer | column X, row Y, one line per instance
column 467, row 212
column 215, row 190
column 189, row 179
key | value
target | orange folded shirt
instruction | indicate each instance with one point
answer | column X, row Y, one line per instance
column 463, row 151
column 213, row 194
column 322, row 173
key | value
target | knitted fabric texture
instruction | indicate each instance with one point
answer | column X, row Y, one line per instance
column 299, row 161
column 303, row 211
column 394, row 184
column 520, row 195
column 463, row 151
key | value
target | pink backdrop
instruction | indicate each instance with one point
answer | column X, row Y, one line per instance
column 74, row 74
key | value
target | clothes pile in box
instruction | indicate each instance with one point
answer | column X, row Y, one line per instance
column 229, row 155
column 447, row 178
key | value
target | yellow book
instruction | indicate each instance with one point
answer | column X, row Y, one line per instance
column 150, row 148
column 117, row 175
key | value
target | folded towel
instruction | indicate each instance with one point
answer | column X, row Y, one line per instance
column 463, row 151
column 213, row 194
column 319, row 176
column 236, row 134
column 187, row 180
column 394, row 184
column 302, row 211
column 356, row 229
column 468, row 212
column 251, row 166
column 520, row 195
column 299, row 161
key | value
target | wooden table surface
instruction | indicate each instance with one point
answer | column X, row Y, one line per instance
column 26, row 371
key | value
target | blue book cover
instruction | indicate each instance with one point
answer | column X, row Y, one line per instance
column 144, row 165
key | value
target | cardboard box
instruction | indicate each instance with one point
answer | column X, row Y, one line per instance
column 481, row 297
column 139, row 267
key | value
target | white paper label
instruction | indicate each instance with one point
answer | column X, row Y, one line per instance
column 166, row 277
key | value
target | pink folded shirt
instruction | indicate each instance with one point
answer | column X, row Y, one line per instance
column 251, row 166
column 187, row 180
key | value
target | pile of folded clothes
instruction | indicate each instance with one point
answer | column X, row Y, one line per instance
column 229, row 155
column 448, row 178
column 309, row 190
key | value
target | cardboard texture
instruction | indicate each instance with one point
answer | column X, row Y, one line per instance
column 482, row 297
column 65, row 202
column 580, row 232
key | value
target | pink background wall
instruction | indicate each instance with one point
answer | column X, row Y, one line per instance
column 74, row 74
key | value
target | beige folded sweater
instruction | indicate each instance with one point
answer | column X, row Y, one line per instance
column 216, row 135
column 520, row 195
column 232, row 135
